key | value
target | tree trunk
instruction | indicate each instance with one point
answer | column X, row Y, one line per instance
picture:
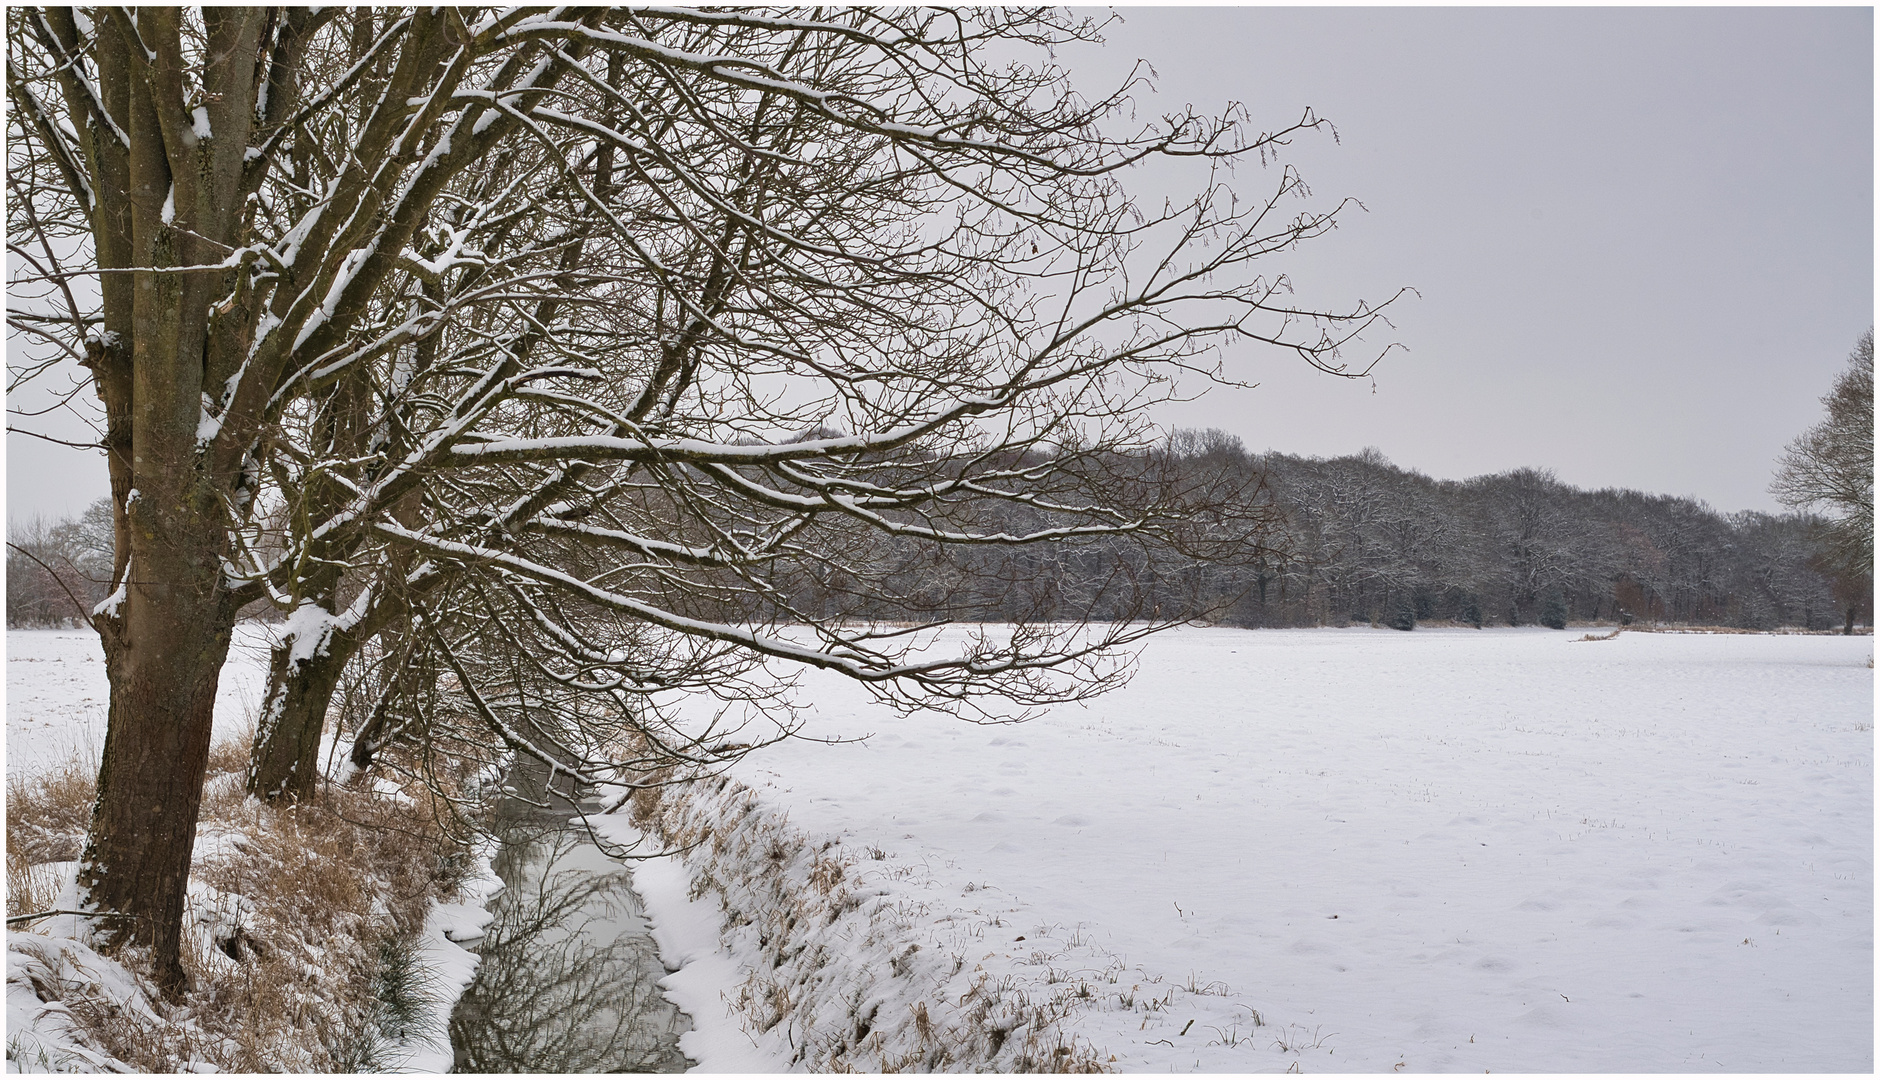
column 164, row 657
column 411, row 669
column 285, row 762
column 167, row 185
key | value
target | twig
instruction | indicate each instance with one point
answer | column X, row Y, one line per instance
column 57, row 580
column 82, row 914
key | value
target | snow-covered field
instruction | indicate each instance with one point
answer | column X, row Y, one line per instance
column 57, row 696
column 1448, row 850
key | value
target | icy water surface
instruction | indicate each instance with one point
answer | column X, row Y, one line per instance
column 568, row 981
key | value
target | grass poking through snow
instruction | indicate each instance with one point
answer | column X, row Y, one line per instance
column 853, row 976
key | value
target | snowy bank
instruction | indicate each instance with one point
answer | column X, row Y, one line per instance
column 800, row 953
column 445, row 953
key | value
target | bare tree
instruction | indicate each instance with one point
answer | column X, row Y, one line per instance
column 56, row 570
column 581, row 336
column 1830, row 467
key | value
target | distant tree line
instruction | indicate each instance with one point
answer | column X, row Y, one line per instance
column 1303, row 541
column 1358, row 539
column 1365, row 540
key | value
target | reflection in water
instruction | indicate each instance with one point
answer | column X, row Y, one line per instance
column 567, row 981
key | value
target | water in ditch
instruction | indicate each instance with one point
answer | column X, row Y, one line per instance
column 568, row 980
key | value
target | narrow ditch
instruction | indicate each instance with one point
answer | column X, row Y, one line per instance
column 569, row 976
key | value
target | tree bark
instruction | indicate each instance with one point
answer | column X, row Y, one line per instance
column 166, row 179
column 164, row 657
column 285, row 763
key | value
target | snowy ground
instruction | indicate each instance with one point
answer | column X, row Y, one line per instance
column 57, row 696
column 1451, row 849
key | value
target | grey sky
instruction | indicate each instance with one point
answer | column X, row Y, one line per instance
column 1643, row 238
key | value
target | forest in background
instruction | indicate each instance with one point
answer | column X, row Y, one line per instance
column 1304, row 541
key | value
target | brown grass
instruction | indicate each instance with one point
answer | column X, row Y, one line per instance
column 301, row 918
column 230, row 756
column 47, row 813
column 31, row 887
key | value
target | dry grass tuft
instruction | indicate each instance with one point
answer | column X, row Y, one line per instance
column 231, row 756
column 48, row 813
column 31, row 887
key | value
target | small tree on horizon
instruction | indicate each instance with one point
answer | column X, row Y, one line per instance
column 1830, row 467
column 1554, row 610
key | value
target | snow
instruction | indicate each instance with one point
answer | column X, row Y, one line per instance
column 1451, row 849
column 58, row 697
column 47, row 966
column 309, row 627
column 686, row 931
column 442, row 952
column 41, row 1034
column 1341, row 850
column 109, row 605
column 343, row 278
column 208, row 424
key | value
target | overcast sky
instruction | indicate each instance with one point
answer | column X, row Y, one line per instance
column 1643, row 238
